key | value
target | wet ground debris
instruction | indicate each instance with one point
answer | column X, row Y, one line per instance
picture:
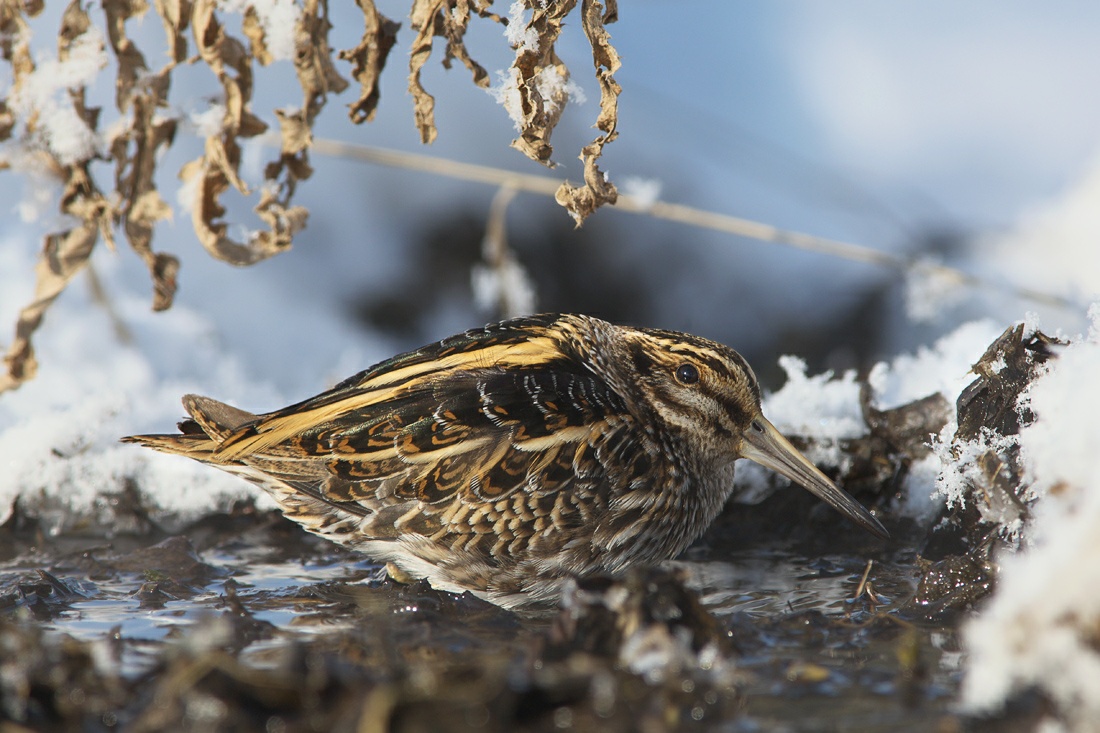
column 958, row 566
column 629, row 654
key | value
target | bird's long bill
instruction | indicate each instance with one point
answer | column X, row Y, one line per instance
column 770, row 449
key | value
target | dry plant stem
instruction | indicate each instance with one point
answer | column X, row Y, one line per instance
column 102, row 298
column 498, row 255
column 863, row 580
column 681, row 214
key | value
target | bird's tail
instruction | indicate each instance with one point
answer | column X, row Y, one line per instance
column 211, row 422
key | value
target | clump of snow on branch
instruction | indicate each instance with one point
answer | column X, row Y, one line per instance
column 646, row 191
column 1040, row 628
column 44, row 96
column 821, row 407
column 944, row 367
column 208, row 122
column 827, row 409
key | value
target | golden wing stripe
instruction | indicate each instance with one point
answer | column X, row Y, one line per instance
column 390, row 385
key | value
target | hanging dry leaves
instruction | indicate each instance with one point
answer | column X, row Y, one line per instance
column 581, row 201
column 448, row 19
column 538, row 89
column 369, row 58
column 145, row 128
column 136, row 145
column 66, row 253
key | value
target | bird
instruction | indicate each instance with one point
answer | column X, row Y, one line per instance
column 510, row 458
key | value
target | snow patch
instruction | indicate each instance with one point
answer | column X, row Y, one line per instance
column 1039, row 628
column 279, row 20
column 44, row 94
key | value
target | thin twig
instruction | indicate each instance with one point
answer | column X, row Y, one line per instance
column 690, row 215
column 863, row 581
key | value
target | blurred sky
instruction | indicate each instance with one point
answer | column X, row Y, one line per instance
column 895, row 125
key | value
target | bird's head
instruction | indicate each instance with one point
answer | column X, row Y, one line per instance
column 708, row 396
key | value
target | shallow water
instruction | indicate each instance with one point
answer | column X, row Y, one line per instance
column 810, row 649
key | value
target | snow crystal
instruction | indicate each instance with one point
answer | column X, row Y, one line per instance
column 519, row 36
column 1039, row 628
column 965, row 467
column 554, row 87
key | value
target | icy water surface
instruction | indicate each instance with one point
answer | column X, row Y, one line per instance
column 225, row 623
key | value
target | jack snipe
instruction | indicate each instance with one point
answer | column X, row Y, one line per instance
column 506, row 459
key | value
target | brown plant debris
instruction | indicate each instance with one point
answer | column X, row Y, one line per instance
column 145, row 128
column 597, row 190
column 957, row 566
column 368, row 59
column 447, row 19
column 64, row 254
column 136, row 145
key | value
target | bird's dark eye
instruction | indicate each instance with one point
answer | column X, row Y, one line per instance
column 687, row 374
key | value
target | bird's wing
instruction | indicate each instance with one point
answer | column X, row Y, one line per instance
column 388, row 384
column 474, row 418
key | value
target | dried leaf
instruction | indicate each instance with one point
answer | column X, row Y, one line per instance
column 316, row 73
column 131, row 63
column 597, row 190
column 454, row 24
column 540, row 79
column 424, row 16
column 176, row 16
column 135, row 148
column 63, row 256
column 296, row 134
column 7, row 121
column 368, row 59
column 448, row 19
column 74, row 23
column 254, row 31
